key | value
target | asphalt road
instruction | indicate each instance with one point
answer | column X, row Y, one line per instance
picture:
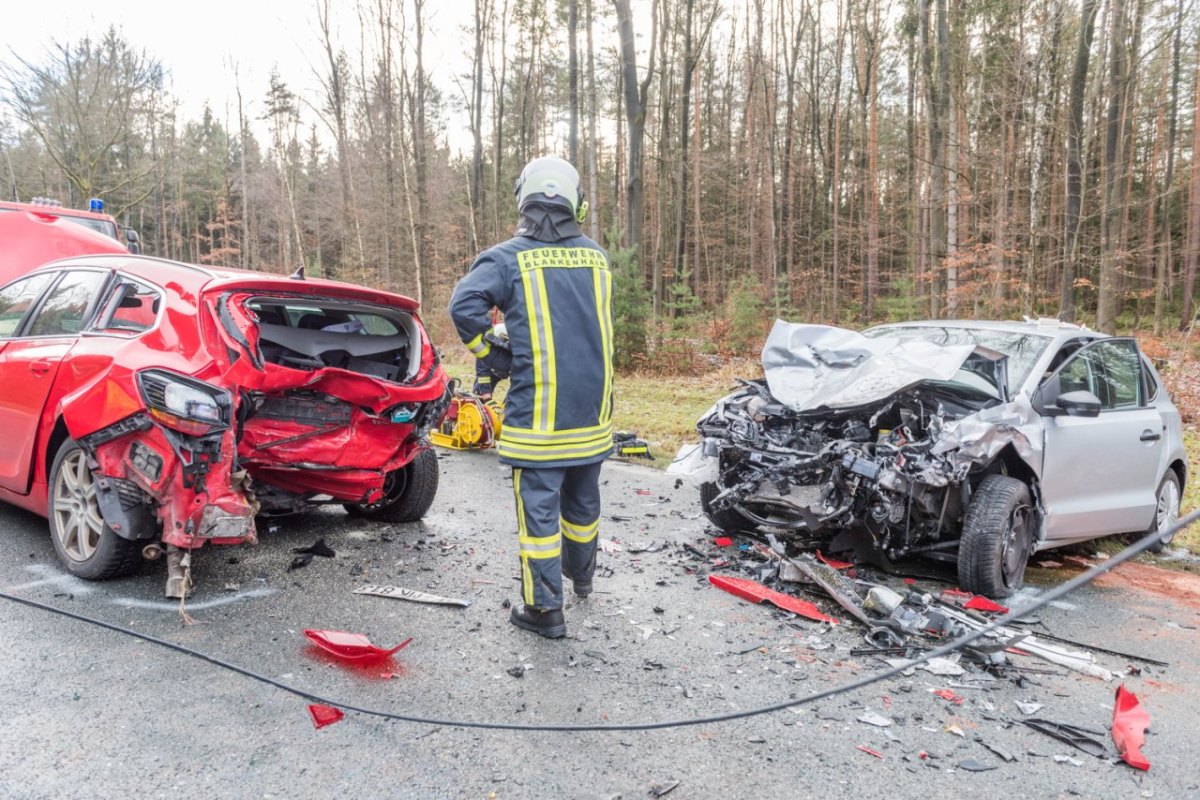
column 89, row 713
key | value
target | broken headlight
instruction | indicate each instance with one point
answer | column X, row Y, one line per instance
column 184, row 404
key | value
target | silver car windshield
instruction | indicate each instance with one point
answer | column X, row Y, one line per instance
column 1022, row 349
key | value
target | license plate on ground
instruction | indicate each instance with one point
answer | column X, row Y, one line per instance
column 401, row 593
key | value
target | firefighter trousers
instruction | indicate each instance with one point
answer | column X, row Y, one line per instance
column 558, row 515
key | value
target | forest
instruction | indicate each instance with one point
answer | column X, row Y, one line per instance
column 846, row 162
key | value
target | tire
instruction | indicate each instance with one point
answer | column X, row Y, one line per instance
column 407, row 493
column 725, row 519
column 86, row 546
column 997, row 538
column 1166, row 510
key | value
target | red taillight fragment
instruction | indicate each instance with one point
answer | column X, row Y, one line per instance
column 351, row 646
column 324, row 715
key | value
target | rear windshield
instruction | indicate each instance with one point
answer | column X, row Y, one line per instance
column 308, row 317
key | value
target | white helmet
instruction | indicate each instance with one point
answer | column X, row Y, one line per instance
column 553, row 177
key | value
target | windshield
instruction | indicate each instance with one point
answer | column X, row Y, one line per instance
column 99, row 225
column 1022, row 349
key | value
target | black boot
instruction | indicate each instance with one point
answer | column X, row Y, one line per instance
column 545, row 623
column 582, row 588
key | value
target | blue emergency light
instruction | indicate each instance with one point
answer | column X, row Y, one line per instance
column 96, row 205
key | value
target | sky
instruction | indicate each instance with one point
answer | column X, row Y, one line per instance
column 214, row 45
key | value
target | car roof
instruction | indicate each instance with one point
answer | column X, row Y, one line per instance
column 1045, row 326
column 194, row 278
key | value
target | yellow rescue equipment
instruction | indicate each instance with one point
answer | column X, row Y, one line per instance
column 470, row 423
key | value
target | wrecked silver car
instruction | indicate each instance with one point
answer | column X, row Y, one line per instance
column 977, row 443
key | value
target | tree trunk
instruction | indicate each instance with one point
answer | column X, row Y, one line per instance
column 1079, row 76
column 1114, row 174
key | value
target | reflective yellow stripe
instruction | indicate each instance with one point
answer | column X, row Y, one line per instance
column 551, row 376
column 602, row 280
column 528, row 436
column 478, row 347
column 580, row 533
column 540, row 546
column 552, row 452
column 526, row 575
column 540, row 364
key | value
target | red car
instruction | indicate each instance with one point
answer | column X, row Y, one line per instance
column 151, row 405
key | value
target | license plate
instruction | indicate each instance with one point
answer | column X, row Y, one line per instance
column 401, row 593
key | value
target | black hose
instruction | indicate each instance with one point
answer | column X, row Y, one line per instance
column 1057, row 592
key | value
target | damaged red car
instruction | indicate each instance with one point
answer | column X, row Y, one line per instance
column 153, row 406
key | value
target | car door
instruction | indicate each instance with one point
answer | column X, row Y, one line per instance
column 1100, row 473
column 30, row 364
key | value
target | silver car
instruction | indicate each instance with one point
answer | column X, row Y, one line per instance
column 977, row 443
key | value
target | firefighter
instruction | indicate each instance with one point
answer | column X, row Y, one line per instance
column 554, row 287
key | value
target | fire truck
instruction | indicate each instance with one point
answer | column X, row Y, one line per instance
column 94, row 218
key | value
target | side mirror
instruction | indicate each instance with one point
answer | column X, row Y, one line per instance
column 1081, row 403
column 132, row 241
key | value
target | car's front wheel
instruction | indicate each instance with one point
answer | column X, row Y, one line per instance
column 86, row 546
column 407, row 492
column 1166, row 511
column 997, row 537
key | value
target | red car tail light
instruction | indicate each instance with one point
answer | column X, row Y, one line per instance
column 185, row 404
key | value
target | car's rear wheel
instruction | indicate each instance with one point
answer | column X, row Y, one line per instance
column 1166, row 510
column 86, row 546
column 407, row 492
column 997, row 537
column 724, row 519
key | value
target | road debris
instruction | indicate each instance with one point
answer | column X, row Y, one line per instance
column 317, row 548
column 1130, row 721
column 324, row 715
column 869, row 751
column 664, row 788
column 1078, row 738
column 413, row 595
column 352, row 646
column 757, row 593
column 873, row 718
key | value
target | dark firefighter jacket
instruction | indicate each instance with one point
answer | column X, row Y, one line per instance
column 557, row 304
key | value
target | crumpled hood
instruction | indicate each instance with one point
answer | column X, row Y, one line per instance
column 811, row 367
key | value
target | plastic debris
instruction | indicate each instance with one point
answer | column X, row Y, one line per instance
column 664, row 788
column 401, row 593
column 324, row 715
column 1076, row 737
column 317, row 548
column 943, row 667
column 833, row 562
column 948, row 694
column 971, row 765
column 1130, row 721
column 757, row 593
column 882, row 600
column 1061, row 759
column 869, row 751
column 300, row 562
column 351, row 646
column 723, row 541
column 1000, row 751
column 1028, row 709
column 873, row 718
column 978, row 603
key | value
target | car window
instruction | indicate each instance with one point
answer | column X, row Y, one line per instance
column 298, row 315
column 1109, row 369
column 18, row 297
column 65, row 308
column 131, row 306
